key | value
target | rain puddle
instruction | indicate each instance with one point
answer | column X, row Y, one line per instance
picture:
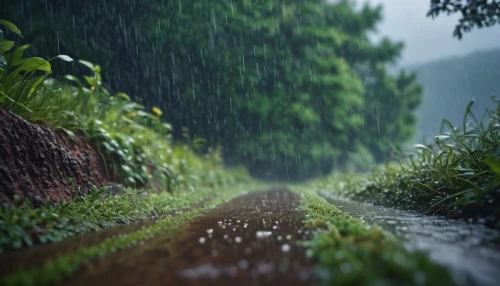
column 467, row 249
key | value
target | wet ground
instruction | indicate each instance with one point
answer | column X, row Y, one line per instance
column 250, row 240
column 467, row 249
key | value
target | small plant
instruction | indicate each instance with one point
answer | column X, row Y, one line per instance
column 20, row 78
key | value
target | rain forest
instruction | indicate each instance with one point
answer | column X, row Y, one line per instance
column 250, row 142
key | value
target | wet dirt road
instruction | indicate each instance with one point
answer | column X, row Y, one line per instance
column 465, row 248
column 250, row 240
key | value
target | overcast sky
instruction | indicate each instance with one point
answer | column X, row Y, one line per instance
column 427, row 39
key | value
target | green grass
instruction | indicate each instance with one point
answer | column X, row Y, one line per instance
column 54, row 270
column 24, row 226
column 350, row 252
column 458, row 175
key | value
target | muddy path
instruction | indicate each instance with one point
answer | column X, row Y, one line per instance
column 250, row 240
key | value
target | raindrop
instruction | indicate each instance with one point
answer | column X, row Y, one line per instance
column 263, row 234
column 243, row 264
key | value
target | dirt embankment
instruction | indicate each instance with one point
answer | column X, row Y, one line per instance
column 36, row 162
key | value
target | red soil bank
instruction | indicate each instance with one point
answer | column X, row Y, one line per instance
column 36, row 162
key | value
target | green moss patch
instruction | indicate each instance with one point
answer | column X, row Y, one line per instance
column 24, row 226
column 350, row 252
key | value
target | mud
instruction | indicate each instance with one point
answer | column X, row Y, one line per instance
column 36, row 162
column 250, row 240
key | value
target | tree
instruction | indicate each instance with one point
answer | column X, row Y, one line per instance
column 474, row 13
column 289, row 89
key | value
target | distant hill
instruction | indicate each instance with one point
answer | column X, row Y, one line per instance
column 449, row 84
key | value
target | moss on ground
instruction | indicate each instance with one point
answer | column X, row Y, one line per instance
column 54, row 270
column 25, row 226
column 350, row 252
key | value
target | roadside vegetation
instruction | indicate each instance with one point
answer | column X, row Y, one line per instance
column 25, row 226
column 291, row 89
column 350, row 252
column 458, row 175
column 135, row 144
column 153, row 174
column 63, row 266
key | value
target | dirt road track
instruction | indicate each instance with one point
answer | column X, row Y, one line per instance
column 250, row 240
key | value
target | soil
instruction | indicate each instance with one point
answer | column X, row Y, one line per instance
column 251, row 240
column 36, row 162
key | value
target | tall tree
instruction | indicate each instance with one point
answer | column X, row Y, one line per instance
column 290, row 89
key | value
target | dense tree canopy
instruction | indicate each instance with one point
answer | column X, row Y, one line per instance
column 289, row 89
column 473, row 13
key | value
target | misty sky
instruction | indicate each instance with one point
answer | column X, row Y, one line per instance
column 427, row 39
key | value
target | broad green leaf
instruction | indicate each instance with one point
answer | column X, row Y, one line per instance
column 17, row 55
column 62, row 57
column 11, row 27
column 33, row 64
column 6, row 46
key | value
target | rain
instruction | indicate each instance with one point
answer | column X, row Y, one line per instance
column 249, row 142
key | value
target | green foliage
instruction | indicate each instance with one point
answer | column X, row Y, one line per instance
column 479, row 13
column 20, row 77
column 134, row 144
column 291, row 89
column 458, row 175
column 349, row 252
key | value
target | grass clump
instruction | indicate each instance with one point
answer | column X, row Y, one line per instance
column 458, row 175
column 350, row 252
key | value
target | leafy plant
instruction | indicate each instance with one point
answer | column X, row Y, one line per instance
column 20, row 77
